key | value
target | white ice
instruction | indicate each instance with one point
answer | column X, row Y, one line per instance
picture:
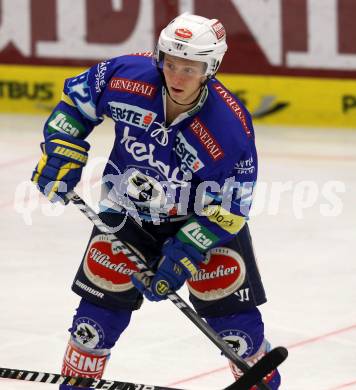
column 304, row 237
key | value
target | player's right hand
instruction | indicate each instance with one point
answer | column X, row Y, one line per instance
column 60, row 167
column 180, row 262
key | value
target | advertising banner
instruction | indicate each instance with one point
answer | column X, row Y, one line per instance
column 296, row 54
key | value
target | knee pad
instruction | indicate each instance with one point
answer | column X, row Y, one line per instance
column 94, row 332
column 244, row 332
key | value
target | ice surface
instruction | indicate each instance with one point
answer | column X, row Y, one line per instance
column 307, row 261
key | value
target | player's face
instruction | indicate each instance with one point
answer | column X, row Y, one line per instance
column 183, row 78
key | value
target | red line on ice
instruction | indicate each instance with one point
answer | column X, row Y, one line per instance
column 295, row 345
column 350, row 384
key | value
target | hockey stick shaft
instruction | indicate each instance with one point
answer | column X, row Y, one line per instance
column 244, row 383
column 90, row 383
column 175, row 298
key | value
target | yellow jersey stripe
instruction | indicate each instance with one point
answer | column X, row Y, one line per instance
column 66, row 99
column 231, row 223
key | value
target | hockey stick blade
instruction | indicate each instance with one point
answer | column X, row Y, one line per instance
column 259, row 370
column 88, row 383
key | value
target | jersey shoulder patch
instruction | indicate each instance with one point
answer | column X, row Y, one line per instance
column 235, row 106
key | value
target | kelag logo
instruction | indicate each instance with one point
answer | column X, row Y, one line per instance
column 25, row 90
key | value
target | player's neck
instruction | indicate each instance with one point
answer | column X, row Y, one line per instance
column 173, row 110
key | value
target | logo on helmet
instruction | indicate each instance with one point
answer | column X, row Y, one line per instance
column 183, row 33
column 219, row 30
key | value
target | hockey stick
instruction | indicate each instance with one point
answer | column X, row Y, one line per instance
column 270, row 361
column 91, row 383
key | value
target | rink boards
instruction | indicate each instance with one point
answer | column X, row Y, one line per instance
column 278, row 100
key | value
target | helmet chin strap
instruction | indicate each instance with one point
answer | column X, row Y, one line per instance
column 182, row 104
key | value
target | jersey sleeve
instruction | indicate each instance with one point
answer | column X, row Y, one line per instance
column 79, row 109
column 225, row 211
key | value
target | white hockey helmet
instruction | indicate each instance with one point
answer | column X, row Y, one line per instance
column 195, row 38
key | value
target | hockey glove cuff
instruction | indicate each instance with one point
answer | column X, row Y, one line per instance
column 60, row 167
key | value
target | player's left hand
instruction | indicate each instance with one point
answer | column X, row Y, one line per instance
column 60, row 167
column 180, row 262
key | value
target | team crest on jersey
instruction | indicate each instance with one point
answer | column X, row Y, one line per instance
column 132, row 115
column 106, row 266
column 220, row 275
column 88, row 333
column 239, row 341
column 145, row 190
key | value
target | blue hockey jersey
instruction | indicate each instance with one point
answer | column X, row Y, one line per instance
column 201, row 167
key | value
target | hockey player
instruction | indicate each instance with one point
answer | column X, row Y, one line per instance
column 184, row 162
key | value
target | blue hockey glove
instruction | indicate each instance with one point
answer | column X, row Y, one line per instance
column 60, row 167
column 180, row 262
